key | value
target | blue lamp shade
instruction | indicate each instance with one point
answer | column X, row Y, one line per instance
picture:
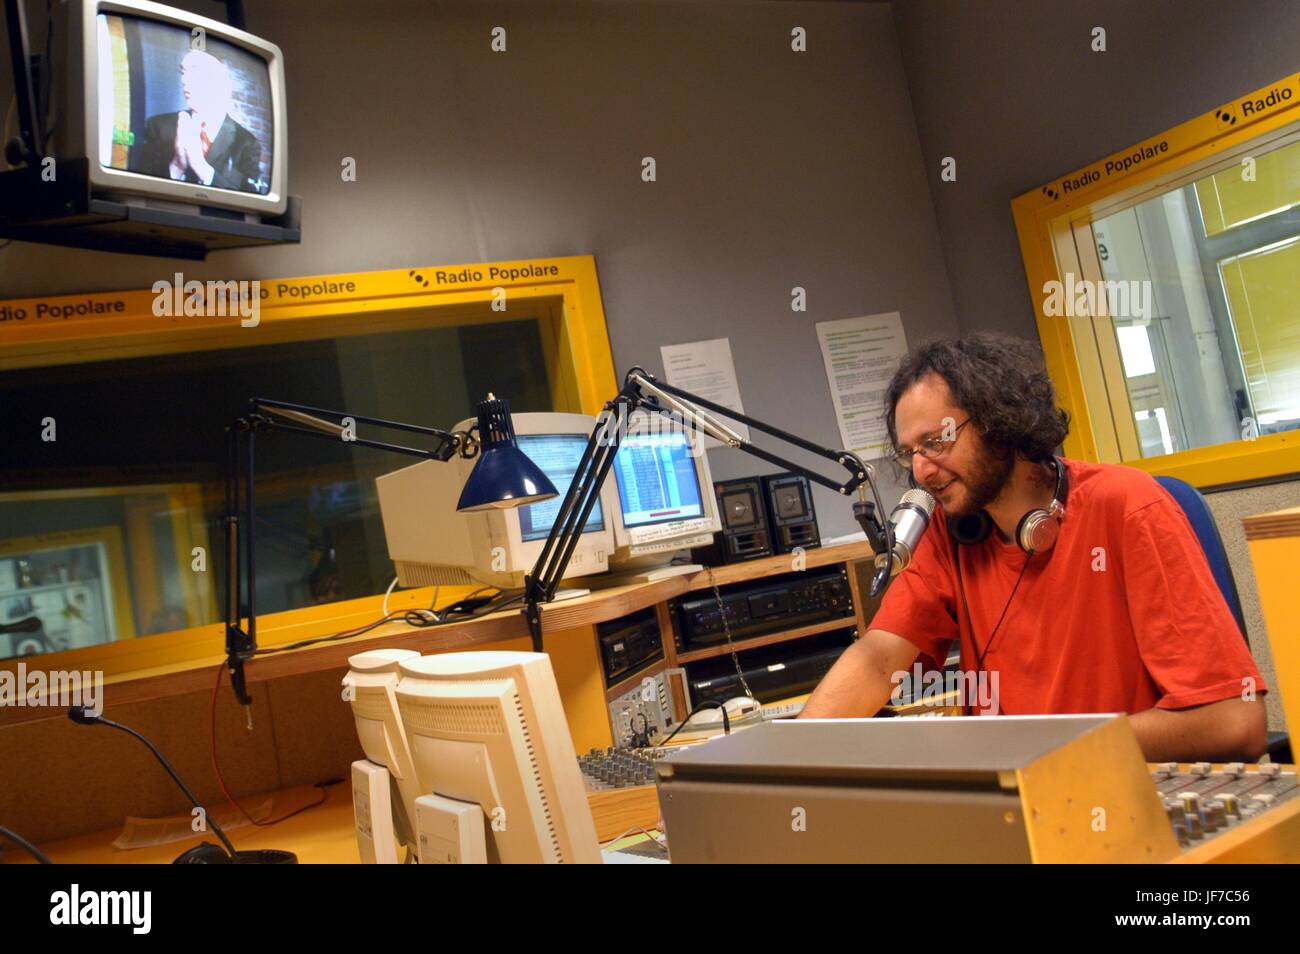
column 504, row 477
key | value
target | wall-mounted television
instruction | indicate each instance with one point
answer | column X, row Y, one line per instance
column 169, row 106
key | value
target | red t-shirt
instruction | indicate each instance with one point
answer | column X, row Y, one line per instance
column 1121, row 615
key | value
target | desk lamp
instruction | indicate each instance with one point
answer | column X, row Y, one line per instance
column 503, row 477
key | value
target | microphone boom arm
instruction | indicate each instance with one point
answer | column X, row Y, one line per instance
column 642, row 391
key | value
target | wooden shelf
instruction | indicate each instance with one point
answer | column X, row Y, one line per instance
column 775, row 565
column 740, row 645
column 1265, row 526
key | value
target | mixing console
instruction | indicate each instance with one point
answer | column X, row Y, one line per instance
column 1202, row 803
column 618, row 768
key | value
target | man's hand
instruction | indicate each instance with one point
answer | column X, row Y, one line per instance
column 191, row 147
column 861, row 680
column 1231, row 730
column 176, row 168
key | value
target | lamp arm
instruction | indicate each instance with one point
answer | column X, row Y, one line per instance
column 449, row 442
column 641, row 391
column 241, row 642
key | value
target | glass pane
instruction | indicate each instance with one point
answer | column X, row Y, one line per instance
column 105, row 505
column 1246, row 193
column 1210, row 342
column 1261, row 288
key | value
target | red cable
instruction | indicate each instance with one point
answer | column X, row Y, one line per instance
column 212, row 733
column 216, row 768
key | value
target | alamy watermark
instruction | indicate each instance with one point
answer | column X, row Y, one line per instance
column 55, row 687
column 1084, row 298
column 76, row 906
column 975, row 692
column 211, row 299
column 651, row 429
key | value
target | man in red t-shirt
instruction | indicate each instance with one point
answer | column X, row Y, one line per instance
column 1120, row 614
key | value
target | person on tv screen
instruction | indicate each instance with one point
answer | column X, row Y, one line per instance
column 202, row 143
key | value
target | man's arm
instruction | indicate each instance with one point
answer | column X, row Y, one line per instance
column 861, row 680
column 1230, row 730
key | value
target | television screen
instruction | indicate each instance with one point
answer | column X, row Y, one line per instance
column 183, row 106
column 558, row 455
column 657, row 480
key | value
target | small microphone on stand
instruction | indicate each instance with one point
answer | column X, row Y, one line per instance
column 205, row 852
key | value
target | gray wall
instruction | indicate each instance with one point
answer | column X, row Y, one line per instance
column 1013, row 91
column 775, row 169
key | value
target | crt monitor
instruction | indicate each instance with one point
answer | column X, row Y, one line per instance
column 431, row 543
column 489, row 740
column 661, row 495
column 169, row 106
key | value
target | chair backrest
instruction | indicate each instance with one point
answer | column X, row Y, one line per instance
column 1207, row 532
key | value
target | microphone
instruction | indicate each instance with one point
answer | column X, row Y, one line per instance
column 909, row 520
column 205, row 852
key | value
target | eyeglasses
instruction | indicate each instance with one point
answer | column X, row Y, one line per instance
column 932, row 448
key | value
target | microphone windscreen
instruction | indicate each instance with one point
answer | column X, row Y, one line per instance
column 918, row 498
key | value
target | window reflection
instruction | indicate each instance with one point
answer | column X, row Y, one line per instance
column 114, row 529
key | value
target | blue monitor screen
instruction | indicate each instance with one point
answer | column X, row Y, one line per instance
column 558, row 456
column 657, row 480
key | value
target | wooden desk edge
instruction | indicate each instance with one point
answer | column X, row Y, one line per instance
column 557, row 618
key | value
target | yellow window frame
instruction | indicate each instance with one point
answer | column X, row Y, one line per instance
column 563, row 294
column 1054, row 228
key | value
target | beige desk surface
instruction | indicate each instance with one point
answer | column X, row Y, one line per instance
column 325, row 834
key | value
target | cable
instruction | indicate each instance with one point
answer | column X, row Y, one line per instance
column 421, row 618
column 433, row 604
column 35, row 852
column 711, row 704
column 961, row 586
column 635, row 828
column 212, row 735
column 346, row 634
column 221, row 781
column 387, row 592
column 726, row 628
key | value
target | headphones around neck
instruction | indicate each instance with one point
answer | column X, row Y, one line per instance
column 1037, row 530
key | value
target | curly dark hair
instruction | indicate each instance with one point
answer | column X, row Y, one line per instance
column 1000, row 381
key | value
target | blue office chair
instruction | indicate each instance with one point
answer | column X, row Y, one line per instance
column 1207, row 532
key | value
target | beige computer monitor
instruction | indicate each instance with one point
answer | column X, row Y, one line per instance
column 659, row 494
column 488, row 729
column 383, row 783
column 431, row 543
